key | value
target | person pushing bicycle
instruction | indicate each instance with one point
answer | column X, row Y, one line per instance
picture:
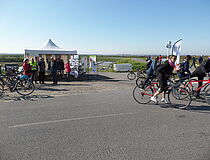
column 164, row 71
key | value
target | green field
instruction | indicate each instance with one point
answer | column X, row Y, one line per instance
column 11, row 58
column 125, row 59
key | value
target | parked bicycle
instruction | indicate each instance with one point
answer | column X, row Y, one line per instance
column 22, row 84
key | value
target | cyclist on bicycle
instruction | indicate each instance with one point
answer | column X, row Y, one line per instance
column 200, row 72
column 164, row 71
column 151, row 71
column 149, row 62
column 184, row 69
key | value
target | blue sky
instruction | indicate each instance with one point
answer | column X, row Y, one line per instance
column 105, row 26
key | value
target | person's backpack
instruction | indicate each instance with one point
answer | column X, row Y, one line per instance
column 157, row 68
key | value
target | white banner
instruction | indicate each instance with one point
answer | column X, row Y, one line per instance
column 176, row 50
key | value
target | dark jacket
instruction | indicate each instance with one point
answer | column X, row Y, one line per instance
column 200, row 59
column 185, row 67
column 41, row 65
column 203, row 68
column 53, row 67
column 165, row 69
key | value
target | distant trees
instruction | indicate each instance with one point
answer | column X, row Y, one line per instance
column 11, row 58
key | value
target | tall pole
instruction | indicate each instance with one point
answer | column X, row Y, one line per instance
column 168, row 46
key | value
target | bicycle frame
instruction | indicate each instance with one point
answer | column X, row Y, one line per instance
column 152, row 87
column 197, row 81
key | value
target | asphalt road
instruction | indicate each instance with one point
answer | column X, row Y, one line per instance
column 108, row 125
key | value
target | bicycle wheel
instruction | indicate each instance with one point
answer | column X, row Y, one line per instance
column 179, row 97
column 142, row 96
column 207, row 96
column 131, row 76
column 140, row 81
column 24, row 87
column 1, row 89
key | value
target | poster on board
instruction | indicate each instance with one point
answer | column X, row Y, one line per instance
column 92, row 63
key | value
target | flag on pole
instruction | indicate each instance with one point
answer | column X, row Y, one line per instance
column 176, row 50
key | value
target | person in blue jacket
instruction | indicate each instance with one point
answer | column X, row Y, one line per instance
column 151, row 71
column 184, row 71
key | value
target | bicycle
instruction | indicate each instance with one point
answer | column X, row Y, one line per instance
column 189, row 84
column 178, row 97
column 132, row 75
column 22, row 84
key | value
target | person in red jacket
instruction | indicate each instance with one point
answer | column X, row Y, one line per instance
column 68, row 70
column 27, row 68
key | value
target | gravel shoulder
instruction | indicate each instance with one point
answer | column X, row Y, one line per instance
column 96, row 83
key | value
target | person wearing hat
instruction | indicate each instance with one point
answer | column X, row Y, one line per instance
column 41, row 66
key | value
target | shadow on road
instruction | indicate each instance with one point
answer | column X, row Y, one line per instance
column 28, row 98
column 100, row 78
column 203, row 108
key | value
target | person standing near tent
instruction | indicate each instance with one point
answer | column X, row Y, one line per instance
column 68, row 70
column 34, row 65
column 62, row 69
column 53, row 69
column 27, row 67
column 41, row 69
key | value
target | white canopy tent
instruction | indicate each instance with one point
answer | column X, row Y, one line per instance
column 49, row 48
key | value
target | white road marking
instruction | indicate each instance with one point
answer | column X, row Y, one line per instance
column 66, row 120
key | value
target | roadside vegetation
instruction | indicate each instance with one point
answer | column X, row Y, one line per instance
column 125, row 59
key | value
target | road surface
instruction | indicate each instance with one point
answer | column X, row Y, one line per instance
column 108, row 125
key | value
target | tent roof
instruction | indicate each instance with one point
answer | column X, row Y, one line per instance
column 50, row 45
column 49, row 48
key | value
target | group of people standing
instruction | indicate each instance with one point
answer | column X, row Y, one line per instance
column 163, row 70
column 36, row 68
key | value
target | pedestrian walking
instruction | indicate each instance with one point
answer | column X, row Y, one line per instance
column 41, row 69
